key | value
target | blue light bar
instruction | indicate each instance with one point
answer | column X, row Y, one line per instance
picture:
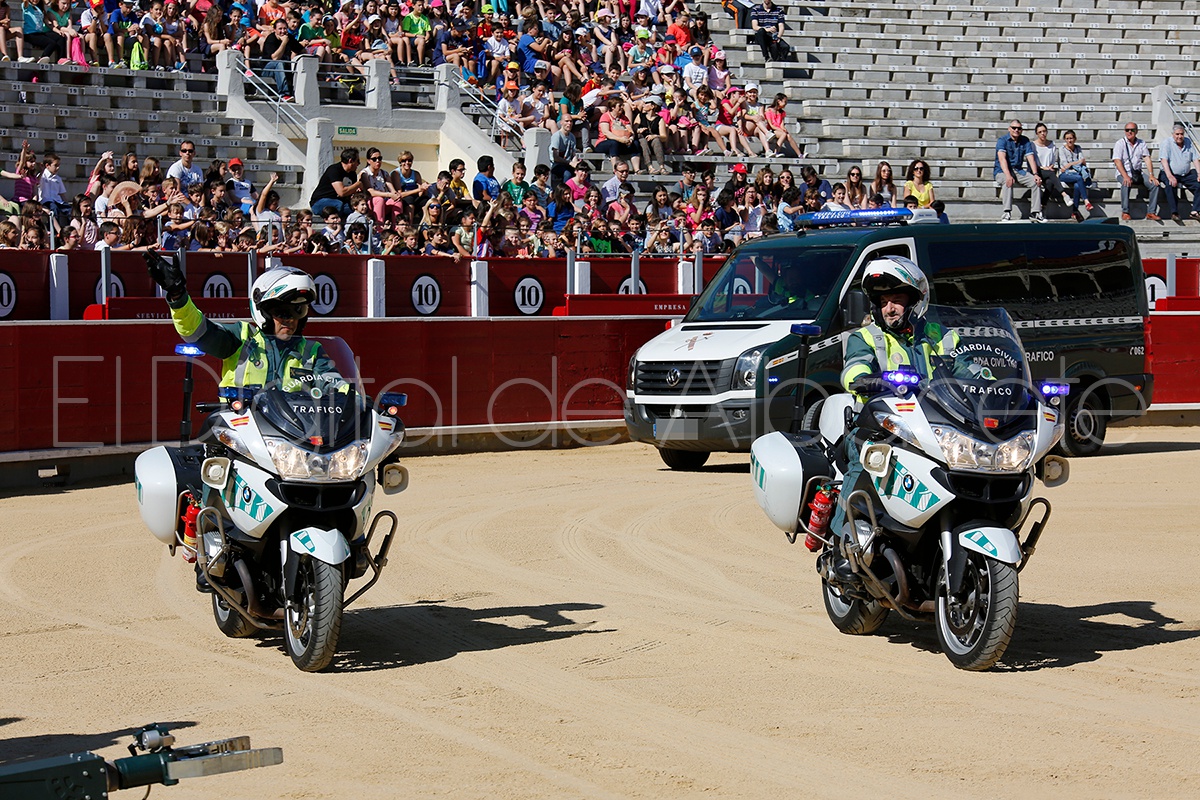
column 855, row 216
column 806, row 329
column 1055, row 389
column 188, row 350
column 900, row 377
column 244, row 393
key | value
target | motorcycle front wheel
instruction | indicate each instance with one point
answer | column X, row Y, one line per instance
column 855, row 617
column 974, row 628
column 313, row 620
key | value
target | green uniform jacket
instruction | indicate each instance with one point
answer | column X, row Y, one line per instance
column 251, row 358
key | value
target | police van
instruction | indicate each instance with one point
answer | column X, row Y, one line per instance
column 727, row 373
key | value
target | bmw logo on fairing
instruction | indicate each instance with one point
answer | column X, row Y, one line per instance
column 247, row 494
column 908, row 483
column 673, row 376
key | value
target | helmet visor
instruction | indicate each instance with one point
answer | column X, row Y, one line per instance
column 297, row 309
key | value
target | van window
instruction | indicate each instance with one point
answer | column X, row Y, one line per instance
column 773, row 279
column 1034, row 279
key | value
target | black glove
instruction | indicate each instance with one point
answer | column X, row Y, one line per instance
column 166, row 273
column 869, row 385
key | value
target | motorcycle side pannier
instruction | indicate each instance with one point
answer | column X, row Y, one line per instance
column 781, row 465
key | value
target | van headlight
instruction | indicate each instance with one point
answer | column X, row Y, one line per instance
column 968, row 453
column 294, row 463
column 631, row 373
column 745, row 371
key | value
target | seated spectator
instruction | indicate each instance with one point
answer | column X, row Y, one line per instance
column 578, row 186
column 883, row 186
column 9, row 31
column 811, row 182
column 279, row 48
column 1180, row 164
column 916, row 184
column 616, row 135
column 337, row 184
column 767, row 21
column 485, row 186
column 1074, row 172
column 1016, row 163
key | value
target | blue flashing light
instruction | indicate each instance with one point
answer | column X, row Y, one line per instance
column 806, row 329
column 858, row 216
column 772, row 379
column 393, row 399
column 244, row 393
column 900, row 377
column 188, row 350
column 1055, row 389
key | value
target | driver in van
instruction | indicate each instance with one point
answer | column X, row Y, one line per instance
column 273, row 350
column 899, row 297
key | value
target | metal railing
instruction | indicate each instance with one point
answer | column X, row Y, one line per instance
column 500, row 129
column 1180, row 115
column 288, row 118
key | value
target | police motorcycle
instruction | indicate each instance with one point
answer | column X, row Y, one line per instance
column 273, row 505
column 949, row 461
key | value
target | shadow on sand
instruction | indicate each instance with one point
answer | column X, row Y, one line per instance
column 47, row 745
column 402, row 636
column 1146, row 448
column 1050, row 636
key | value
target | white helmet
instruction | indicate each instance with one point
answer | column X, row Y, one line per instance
column 276, row 287
column 896, row 274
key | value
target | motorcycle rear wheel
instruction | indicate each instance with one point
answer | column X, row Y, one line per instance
column 974, row 631
column 230, row 622
column 313, row 621
column 855, row 617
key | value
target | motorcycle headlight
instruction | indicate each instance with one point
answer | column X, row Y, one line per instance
column 745, row 371
column 895, row 426
column 967, row 453
column 294, row 463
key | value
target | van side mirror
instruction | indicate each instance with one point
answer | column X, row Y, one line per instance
column 855, row 308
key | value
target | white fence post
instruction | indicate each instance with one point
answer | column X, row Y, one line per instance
column 583, row 277
column 376, row 288
column 59, row 287
column 480, row 306
column 105, row 272
column 1171, row 274
column 685, row 277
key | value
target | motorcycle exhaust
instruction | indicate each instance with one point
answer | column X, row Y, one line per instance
column 253, row 604
column 226, row 594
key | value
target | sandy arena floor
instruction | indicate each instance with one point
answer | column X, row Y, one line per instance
column 589, row 624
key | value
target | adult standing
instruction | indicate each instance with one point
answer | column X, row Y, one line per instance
column 1134, row 168
column 1016, row 163
column 767, row 21
column 1180, row 164
column 185, row 170
column 338, row 182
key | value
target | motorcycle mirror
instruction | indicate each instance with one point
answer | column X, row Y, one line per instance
column 805, row 329
column 855, row 308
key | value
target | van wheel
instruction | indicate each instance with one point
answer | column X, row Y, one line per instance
column 1087, row 423
column 685, row 460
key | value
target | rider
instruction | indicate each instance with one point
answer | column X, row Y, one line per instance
column 270, row 351
column 897, row 335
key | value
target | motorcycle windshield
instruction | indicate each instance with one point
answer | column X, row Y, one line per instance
column 979, row 371
column 322, row 424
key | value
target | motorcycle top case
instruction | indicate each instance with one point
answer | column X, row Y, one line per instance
column 780, row 466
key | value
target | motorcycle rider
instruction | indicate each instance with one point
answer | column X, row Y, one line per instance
column 273, row 350
column 896, row 335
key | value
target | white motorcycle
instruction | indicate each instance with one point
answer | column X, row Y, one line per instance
column 949, row 462
column 273, row 504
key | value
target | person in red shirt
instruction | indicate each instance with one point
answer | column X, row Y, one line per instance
column 681, row 30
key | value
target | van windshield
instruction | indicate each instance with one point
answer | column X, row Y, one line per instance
column 778, row 279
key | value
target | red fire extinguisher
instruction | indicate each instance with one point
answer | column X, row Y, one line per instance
column 189, row 532
column 818, row 520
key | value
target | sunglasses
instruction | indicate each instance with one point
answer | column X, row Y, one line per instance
column 406, row 161
column 1131, row 130
column 1015, row 128
column 374, row 158
column 286, row 313
column 187, row 150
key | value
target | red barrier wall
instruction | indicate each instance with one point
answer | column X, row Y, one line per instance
column 1187, row 277
column 1174, row 331
column 72, row 384
column 425, row 286
column 24, row 284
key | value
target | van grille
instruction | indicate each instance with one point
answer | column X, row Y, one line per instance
column 683, row 377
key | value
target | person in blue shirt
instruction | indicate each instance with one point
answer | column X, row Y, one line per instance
column 119, row 22
column 485, row 186
column 812, row 182
column 1016, row 162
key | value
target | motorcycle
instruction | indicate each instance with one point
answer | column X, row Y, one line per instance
column 949, row 461
column 273, row 504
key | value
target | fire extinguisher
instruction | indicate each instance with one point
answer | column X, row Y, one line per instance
column 818, row 521
column 189, row 530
